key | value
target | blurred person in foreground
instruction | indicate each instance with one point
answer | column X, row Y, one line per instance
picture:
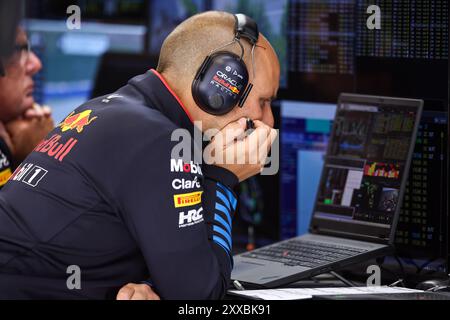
column 23, row 123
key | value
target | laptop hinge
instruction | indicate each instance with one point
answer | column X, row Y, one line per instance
column 355, row 236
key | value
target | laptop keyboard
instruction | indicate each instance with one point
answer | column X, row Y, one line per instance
column 303, row 253
column 388, row 296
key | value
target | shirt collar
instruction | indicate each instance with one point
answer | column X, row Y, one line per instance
column 161, row 97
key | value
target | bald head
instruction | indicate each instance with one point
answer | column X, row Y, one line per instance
column 184, row 50
column 186, row 47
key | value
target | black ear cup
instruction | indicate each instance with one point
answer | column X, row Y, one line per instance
column 220, row 83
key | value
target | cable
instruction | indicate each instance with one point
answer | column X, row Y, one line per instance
column 253, row 61
column 401, row 279
column 397, row 282
column 226, row 45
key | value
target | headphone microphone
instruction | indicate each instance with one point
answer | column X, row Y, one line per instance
column 222, row 81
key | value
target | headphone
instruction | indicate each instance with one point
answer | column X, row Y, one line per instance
column 222, row 81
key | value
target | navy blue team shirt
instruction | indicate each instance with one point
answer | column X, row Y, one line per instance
column 103, row 193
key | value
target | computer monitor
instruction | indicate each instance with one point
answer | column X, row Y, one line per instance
column 70, row 58
column 331, row 50
column 109, row 11
column 304, row 132
column 305, row 128
column 366, row 167
column 408, row 57
column 166, row 15
column 422, row 230
column 321, row 36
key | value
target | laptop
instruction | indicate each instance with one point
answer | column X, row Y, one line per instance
column 358, row 198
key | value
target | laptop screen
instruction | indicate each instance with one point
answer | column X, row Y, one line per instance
column 365, row 168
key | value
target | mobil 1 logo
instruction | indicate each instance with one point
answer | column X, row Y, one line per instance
column 29, row 173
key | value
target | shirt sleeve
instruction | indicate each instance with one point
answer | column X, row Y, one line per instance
column 180, row 214
column 6, row 166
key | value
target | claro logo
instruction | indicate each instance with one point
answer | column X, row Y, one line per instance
column 177, row 165
column 178, row 184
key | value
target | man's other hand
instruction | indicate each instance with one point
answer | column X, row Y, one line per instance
column 134, row 291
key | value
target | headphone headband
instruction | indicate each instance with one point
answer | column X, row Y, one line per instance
column 246, row 27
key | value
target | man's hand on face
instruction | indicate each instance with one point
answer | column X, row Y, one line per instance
column 242, row 153
column 134, row 291
column 37, row 111
column 28, row 130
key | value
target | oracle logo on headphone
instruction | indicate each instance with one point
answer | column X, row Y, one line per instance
column 224, row 76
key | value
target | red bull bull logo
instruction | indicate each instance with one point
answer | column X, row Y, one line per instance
column 76, row 121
